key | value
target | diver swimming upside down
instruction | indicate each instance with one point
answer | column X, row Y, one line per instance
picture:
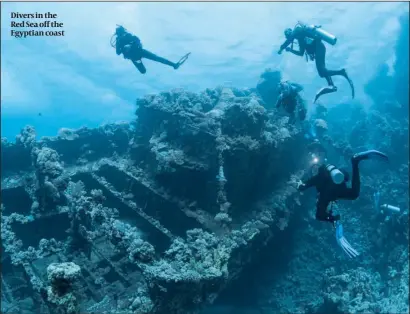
column 330, row 183
column 131, row 47
column 310, row 38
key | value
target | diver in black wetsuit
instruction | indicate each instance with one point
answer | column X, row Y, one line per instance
column 290, row 100
column 330, row 184
column 131, row 48
column 311, row 44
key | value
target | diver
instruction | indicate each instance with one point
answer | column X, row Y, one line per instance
column 331, row 186
column 131, row 48
column 317, row 152
column 330, row 183
column 310, row 38
column 290, row 100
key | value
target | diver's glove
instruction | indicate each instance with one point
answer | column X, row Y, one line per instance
column 342, row 242
column 300, row 186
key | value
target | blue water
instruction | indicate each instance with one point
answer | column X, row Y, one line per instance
column 78, row 80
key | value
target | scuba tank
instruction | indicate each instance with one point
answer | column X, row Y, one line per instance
column 316, row 31
column 335, row 174
column 385, row 207
column 390, row 208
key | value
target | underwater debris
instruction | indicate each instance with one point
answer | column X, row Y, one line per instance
column 160, row 215
column 120, row 214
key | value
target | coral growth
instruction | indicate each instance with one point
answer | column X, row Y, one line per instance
column 161, row 215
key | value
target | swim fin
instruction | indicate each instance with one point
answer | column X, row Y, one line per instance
column 371, row 154
column 325, row 90
column 182, row 60
column 351, row 86
column 343, row 243
column 349, row 81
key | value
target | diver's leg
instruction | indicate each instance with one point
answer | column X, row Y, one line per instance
column 320, row 54
column 370, row 154
column 140, row 66
column 343, row 73
column 320, row 58
column 355, row 191
column 321, row 210
column 151, row 56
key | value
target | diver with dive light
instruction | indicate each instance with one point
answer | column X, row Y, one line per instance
column 130, row 46
column 310, row 39
column 330, row 183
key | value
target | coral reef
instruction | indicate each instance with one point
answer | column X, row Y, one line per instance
column 168, row 213
column 152, row 217
column 316, row 277
column 61, row 277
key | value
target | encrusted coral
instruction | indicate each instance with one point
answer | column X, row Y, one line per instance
column 62, row 275
column 47, row 162
column 27, row 137
column 202, row 256
column 67, row 134
column 163, row 213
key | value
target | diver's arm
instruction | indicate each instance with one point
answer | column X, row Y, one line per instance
column 285, row 44
column 119, row 45
column 301, row 51
column 308, row 183
column 313, row 180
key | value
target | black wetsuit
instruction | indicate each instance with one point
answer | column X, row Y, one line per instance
column 137, row 52
column 290, row 99
column 329, row 192
column 316, row 50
